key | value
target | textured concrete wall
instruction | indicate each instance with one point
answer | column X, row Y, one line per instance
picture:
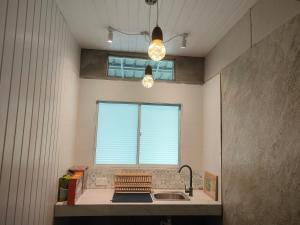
column 261, row 132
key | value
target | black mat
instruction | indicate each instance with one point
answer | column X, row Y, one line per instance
column 132, row 197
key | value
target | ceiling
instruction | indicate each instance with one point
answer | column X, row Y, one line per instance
column 206, row 21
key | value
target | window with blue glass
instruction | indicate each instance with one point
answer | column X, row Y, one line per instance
column 131, row 133
column 134, row 68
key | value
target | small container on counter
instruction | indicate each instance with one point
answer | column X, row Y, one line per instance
column 63, row 187
column 75, row 187
column 72, row 185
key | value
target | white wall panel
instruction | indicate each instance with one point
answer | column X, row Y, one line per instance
column 51, row 182
column 47, row 173
column 35, row 44
column 6, row 68
column 3, row 17
column 12, row 110
column 42, row 117
column 48, row 77
column 27, row 153
column 34, row 120
column 22, row 101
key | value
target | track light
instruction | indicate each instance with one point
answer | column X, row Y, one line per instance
column 148, row 78
column 110, row 35
column 183, row 43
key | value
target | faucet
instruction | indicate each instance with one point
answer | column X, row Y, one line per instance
column 190, row 189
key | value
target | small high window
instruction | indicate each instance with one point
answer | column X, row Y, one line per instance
column 134, row 68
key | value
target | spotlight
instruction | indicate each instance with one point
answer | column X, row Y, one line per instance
column 110, row 35
column 183, row 43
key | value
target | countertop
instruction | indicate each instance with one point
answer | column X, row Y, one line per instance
column 97, row 202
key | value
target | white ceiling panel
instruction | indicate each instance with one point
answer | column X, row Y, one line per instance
column 206, row 21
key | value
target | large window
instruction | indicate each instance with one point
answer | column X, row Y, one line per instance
column 130, row 68
column 130, row 133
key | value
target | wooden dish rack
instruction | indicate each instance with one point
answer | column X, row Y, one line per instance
column 133, row 182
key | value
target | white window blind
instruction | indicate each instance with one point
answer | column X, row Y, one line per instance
column 130, row 133
column 116, row 133
column 159, row 134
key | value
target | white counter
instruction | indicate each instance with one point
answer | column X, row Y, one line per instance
column 97, row 202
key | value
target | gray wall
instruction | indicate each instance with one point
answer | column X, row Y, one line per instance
column 35, row 46
column 261, row 130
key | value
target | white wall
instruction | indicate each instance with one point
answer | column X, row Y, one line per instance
column 211, row 152
column 38, row 60
column 69, row 101
column 232, row 45
column 267, row 15
column 190, row 96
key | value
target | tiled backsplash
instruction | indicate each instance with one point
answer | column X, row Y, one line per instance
column 167, row 178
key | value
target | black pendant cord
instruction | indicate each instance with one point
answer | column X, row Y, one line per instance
column 157, row 14
column 150, row 24
column 251, row 27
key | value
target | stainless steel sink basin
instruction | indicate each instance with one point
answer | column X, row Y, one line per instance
column 171, row 196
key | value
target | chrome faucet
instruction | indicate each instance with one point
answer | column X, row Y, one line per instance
column 190, row 189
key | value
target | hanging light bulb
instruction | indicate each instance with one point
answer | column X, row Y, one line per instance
column 148, row 78
column 157, row 50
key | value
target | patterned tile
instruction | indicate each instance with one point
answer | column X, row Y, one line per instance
column 167, row 178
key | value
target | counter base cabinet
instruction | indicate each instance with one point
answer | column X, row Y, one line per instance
column 139, row 220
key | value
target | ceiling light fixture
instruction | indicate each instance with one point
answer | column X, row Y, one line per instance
column 148, row 80
column 110, row 35
column 183, row 43
column 156, row 50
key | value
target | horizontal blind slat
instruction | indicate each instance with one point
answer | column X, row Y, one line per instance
column 159, row 134
column 117, row 133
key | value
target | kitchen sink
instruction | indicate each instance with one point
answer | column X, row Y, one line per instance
column 171, row 196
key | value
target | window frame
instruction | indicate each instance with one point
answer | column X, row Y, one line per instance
column 138, row 165
column 138, row 79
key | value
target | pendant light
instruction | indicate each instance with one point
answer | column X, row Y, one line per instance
column 148, row 78
column 157, row 50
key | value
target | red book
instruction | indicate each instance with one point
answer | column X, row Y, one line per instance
column 84, row 170
column 75, row 187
